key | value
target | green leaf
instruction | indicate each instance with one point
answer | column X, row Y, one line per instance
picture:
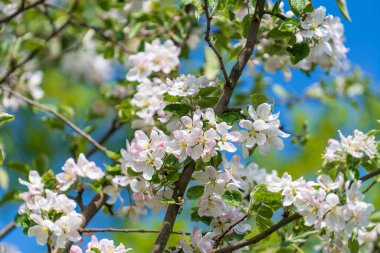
column 212, row 65
column 264, row 218
column 6, row 117
column 50, row 180
column 230, row 117
column 289, row 25
column 208, row 102
column 246, row 24
column 169, row 201
column 195, row 192
column 300, row 7
column 262, row 195
column 353, row 245
column 232, row 197
column 342, row 4
column 20, row 167
column 298, row 52
column 53, row 123
column 4, row 179
column 96, row 250
column 2, row 155
column 258, row 99
column 179, row 109
column 170, row 98
column 275, row 33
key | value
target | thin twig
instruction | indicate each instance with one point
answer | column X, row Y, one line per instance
column 211, row 44
column 219, row 238
column 279, row 225
column 56, row 114
column 20, row 10
column 122, row 230
column 7, row 229
column 260, row 236
column 278, row 15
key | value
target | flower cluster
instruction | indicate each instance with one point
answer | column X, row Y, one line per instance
column 102, row 246
column 52, row 215
column 72, row 170
column 187, row 85
column 322, row 34
column 156, row 57
column 336, row 206
column 358, row 145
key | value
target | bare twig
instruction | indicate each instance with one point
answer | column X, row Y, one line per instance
column 7, row 229
column 20, row 10
column 122, row 230
column 56, row 114
column 278, row 15
column 211, row 44
column 220, row 237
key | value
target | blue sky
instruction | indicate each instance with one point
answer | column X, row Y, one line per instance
column 362, row 38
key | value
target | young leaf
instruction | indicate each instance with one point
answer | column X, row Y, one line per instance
column 230, row 117
column 300, row 7
column 342, row 4
column 232, row 197
column 6, row 117
column 298, row 52
column 179, row 109
column 195, row 192
column 258, row 99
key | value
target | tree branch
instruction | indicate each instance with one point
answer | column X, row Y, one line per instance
column 220, row 237
column 20, row 10
column 121, row 230
column 243, row 58
column 7, row 229
column 211, row 44
column 56, row 114
column 172, row 211
column 260, row 236
column 279, row 225
column 185, row 177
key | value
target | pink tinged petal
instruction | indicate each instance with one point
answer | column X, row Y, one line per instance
column 211, row 172
column 196, row 152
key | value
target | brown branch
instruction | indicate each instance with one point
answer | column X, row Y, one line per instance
column 7, row 229
column 278, row 15
column 243, row 58
column 185, row 177
column 260, row 236
column 172, row 211
column 20, row 10
column 57, row 115
column 211, row 44
column 122, row 230
column 220, row 237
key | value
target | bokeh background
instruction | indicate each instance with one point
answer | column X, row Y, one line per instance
column 27, row 137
